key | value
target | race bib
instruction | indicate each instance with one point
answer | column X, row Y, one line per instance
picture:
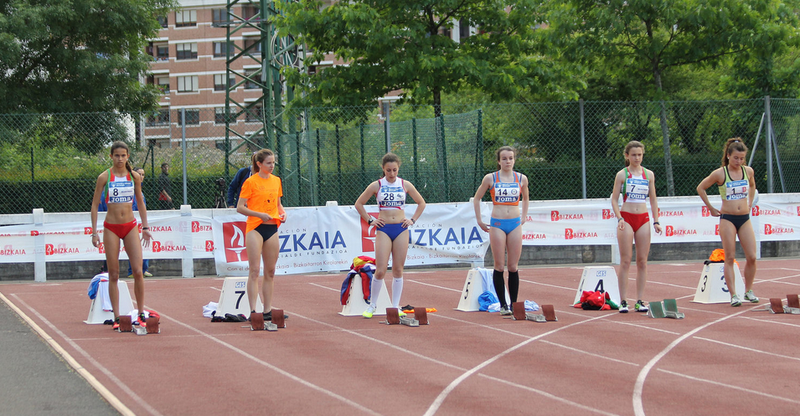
column 391, row 196
column 735, row 190
column 120, row 192
column 636, row 190
column 506, row 192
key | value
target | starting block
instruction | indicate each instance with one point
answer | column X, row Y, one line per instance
column 152, row 325
column 393, row 318
column 421, row 315
column 793, row 301
column 125, row 324
column 278, row 318
column 656, row 310
column 257, row 323
column 671, row 309
column 776, row 306
column 548, row 313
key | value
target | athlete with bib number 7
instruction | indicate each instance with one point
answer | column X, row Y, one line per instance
column 636, row 184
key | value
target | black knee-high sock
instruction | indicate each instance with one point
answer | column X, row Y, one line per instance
column 513, row 285
column 500, row 287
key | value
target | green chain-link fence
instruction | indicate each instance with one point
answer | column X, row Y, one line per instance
column 568, row 150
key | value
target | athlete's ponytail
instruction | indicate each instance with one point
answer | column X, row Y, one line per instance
column 631, row 144
column 734, row 144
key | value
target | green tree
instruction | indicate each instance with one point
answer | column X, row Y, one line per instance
column 646, row 38
column 76, row 56
column 392, row 45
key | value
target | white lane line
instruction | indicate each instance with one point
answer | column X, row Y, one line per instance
column 101, row 389
column 748, row 389
column 728, row 344
column 602, row 357
column 769, row 321
column 437, row 403
column 638, row 406
column 432, row 285
column 273, row 367
column 571, row 289
column 324, row 287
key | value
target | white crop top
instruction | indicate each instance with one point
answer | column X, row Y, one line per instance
column 391, row 195
column 119, row 189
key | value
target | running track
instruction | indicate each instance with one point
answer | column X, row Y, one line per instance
column 719, row 360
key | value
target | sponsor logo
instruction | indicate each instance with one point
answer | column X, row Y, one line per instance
column 770, row 229
column 571, row 234
column 716, row 229
column 159, row 247
column 534, row 236
column 556, row 216
column 758, row 211
column 666, row 213
column 316, row 241
column 368, row 233
column 34, row 233
column 608, row 214
column 679, row 232
column 755, row 211
column 9, row 250
column 209, row 245
column 160, row 228
column 706, row 212
column 233, row 240
column 87, row 230
column 196, row 227
column 50, row 249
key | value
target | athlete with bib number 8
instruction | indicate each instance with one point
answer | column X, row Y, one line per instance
column 636, row 184
column 120, row 185
column 508, row 189
column 734, row 215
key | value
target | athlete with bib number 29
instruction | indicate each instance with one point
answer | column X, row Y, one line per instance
column 734, row 215
column 120, row 185
column 508, row 189
column 636, row 184
column 392, row 225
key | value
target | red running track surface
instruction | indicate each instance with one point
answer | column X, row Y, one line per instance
column 719, row 360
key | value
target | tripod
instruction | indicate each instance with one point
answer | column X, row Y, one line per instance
column 219, row 200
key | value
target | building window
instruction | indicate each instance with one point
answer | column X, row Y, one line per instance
column 187, row 84
column 185, row 18
column 163, row 21
column 253, row 113
column 219, row 17
column 219, row 49
column 159, row 118
column 254, row 43
column 161, row 51
column 252, row 78
column 219, row 82
column 250, row 11
column 163, row 84
column 219, row 115
column 186, row 51
column 192, row 117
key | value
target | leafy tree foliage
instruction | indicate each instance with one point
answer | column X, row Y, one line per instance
column 60, row 56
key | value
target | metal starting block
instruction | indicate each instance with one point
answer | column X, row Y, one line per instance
column 257, row 323
column 278, row 319
column 535, row 317
column 393, row 318
column 125, row 324
column 518, row 311
column 793, row 301
column 671, row 309
column 656, row 310
column 549, row 312
column 421, row 315
column 152, row 325
column 776, row 306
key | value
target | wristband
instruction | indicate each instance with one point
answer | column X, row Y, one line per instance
column 656, row 223
column 412, row 221
column 145, row 228
column 620, row 219
column 371, row 220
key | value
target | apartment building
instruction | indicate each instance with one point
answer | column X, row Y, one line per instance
column 190, row 69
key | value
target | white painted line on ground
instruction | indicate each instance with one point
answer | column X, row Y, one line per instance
column 101, row 389
column 748, row 389
column 432, row 285
column 728, row 344
column 602, row 357
column 324, row 287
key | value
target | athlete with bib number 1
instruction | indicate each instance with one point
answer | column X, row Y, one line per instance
column 636, row 184
column 508, row 189
column 121, row 185
column 734, row 215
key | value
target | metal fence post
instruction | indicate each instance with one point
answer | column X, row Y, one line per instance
column 386, row 126
column 583, row 148
column 414, row 145
column 183, row 151
column 339, row 163
column 769, row 143
column 319, row 170
column 478, row 152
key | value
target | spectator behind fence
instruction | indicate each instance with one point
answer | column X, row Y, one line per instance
column 235, row 188
column 164, row 197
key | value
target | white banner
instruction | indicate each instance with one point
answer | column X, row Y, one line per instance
column 328, row 238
